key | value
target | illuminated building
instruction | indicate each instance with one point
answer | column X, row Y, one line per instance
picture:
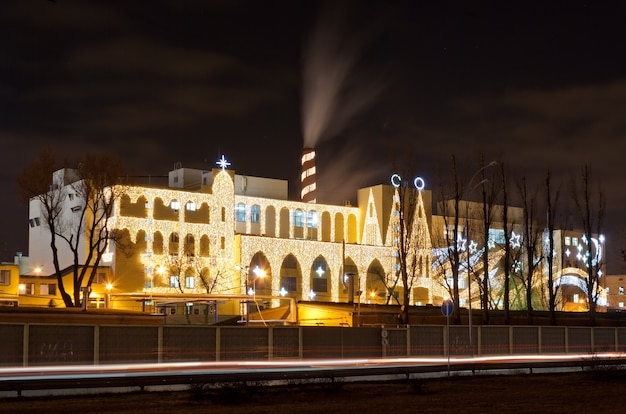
column 215, row 232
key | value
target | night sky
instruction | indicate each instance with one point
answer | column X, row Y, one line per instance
column 536, row 85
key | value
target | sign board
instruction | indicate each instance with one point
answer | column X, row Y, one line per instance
column 447, row 307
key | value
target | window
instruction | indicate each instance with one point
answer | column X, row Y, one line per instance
column 175, row 205
column 100, row 278
column 298, row 218
column 29, row 289
column 568, row 241
column 47, row 289
column 320, row 285
column 621, row 304
column 240, row 212
column 496, row 236
column 76, row 209
column 223, row 214
column 255, row 214
column 621, row 290
column 174, row 281
column 190, row 282
column 5, row 277
column 289, row 283
column 70, row 196
column 148, row 284
column 190, row 206
column 574, row 241
column 223, row 242
column 311, row 220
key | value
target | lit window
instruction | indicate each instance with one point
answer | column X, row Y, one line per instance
column 175, row 205
column 240, row 212
column 621, row 290
column 621, row 304
column 47, row 289
column 255, row 214
column 174, row 281
column 298, row 218
column 190, row 206
column 568, row 241
column 29, row 288
column 190, row 282
column 311, row 220
column 574, row 241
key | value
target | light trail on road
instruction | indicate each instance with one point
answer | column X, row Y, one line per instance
column 177, row 373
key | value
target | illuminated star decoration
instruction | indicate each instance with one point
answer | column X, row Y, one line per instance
column 491, row 244
column 473, row 246
column 461, row 243
column 223, row 163
column 283, row 291
column 515, row 240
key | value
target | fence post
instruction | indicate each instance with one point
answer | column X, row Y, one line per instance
column 25, row 336
column 96, row 344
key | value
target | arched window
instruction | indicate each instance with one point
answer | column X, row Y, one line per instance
column 255, row 214
column 298, row 218
column 240, row 212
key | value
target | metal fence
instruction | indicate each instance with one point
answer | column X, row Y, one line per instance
column 54, row 344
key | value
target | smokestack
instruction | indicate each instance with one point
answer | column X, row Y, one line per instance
column 307, row 179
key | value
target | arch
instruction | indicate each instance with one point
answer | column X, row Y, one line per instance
column 572, row 294
column 320, row 277
column 284, row 223
column 352, row 233
column 189, row 246
column 157, row 243
column 259, row 275
column 344, row 278
column 325, row 226
column 163, row 211
column 299, row 221
column 375, row 284
column 270, row 221
column 312, row 223
column 141, row 242
column 130, row 209
column 291, row 276
column 172, row 247
column 255, row 219
column 339, row 227
column 205, row 246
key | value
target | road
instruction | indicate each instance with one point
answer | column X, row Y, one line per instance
column 16, row 380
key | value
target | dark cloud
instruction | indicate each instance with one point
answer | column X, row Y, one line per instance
column 539, row 85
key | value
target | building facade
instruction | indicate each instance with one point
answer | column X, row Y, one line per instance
column 219, row 233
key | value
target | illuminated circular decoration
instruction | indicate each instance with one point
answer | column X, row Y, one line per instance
column 396, row 180
column 419, row 183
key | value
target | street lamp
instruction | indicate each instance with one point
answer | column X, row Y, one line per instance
column 251, row 290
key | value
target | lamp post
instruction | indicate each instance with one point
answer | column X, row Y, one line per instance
column 468, row 190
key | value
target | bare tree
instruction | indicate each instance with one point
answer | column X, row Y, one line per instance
column 531, row 242
column 37, row 182
column 412, row 240
column 451, row 258
column 507, row 247
column 489, row 193
column 552, row 200
column 590, row 205
column 76, row 206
